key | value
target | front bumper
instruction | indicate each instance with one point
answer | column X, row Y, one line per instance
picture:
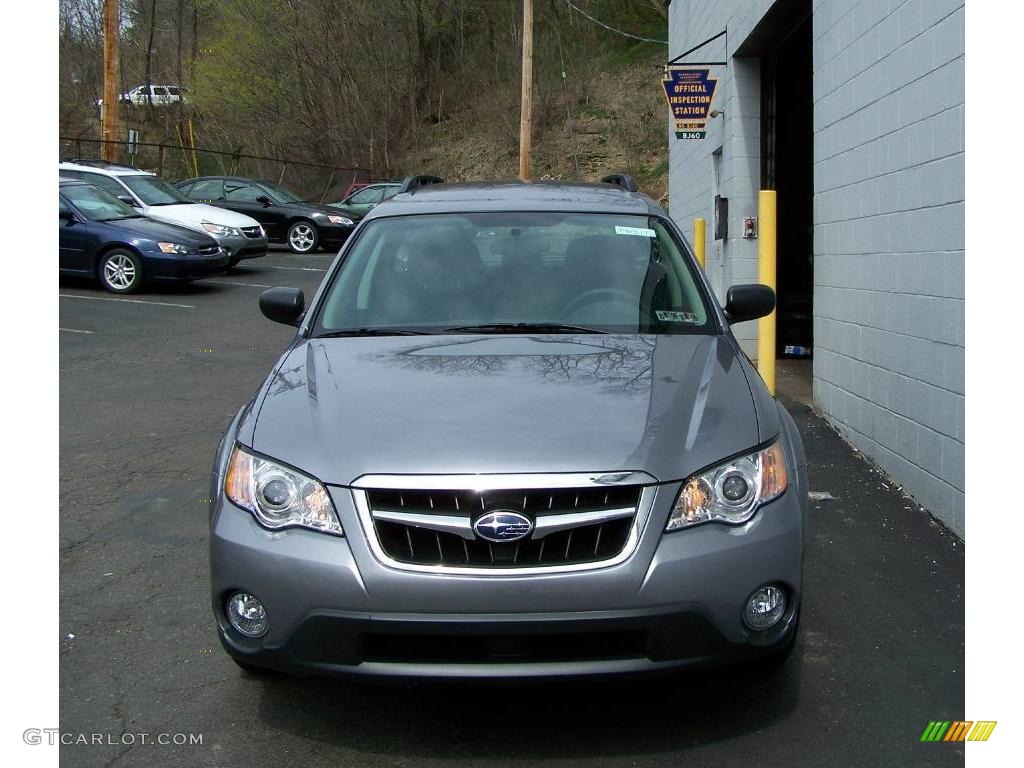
column 161, row 266
column 238, row 248
column 333, row 235
column 675, row 602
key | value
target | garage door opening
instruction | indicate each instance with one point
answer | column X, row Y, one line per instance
column 787, row 166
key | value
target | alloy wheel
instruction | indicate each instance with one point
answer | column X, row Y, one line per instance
column 119, row 272
column 301, row 238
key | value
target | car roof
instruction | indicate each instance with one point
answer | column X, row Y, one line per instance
column 227, row 178
column 100, row 166
column 517, row 196
column 67, row 181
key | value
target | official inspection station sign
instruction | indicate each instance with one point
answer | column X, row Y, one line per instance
column 689, row 91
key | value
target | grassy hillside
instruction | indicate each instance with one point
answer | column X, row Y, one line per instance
column 616, row 123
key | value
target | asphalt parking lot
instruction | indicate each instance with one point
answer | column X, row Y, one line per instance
column 148, row 383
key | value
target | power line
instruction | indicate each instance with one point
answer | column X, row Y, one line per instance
column 613, row 29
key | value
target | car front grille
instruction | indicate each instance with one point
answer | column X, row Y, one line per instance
column 570, row 526
column 252, row 232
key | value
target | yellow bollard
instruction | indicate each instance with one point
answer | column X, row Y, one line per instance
column 766, row 275
column 700, row 239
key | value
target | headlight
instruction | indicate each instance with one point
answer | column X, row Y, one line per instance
column 174, row 248
column 279, row 497
column 344, row 220
column 731, row 492
column 221, row 229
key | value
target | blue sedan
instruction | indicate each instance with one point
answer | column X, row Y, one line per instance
column 102, row 237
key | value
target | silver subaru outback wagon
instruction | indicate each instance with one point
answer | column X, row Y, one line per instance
column 513, row 437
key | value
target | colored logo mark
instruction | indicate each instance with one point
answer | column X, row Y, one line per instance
column 958, row 730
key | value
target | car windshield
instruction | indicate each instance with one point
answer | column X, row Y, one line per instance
column 280, row 194
column 515, row 272
column 97, row 204
column 153, row 190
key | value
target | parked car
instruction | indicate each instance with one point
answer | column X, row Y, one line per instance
column 284, row 215
column 361, row 201
column 102, row 237
column 513, row 436
column 240, row 236
column 163, row 95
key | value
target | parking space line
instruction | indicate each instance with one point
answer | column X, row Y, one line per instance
column 75, row 330
column 302, row 269
column 127, row 301
column 228, row 282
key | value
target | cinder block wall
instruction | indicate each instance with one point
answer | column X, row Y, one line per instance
column 889, row 238
column 888, row 213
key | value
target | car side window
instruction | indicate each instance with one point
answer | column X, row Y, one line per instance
column 240, row 193
column 207, row 191
column 105, row 183
column 159, row 91
column 367, row 195
column 389, row 191
column 63, row 207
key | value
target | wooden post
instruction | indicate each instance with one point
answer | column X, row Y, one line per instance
column 110, row 130
column 526, row 110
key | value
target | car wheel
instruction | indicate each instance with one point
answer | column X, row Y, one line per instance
column 303, row 237
column 120, row 271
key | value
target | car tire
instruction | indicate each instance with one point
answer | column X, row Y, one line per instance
column 303, row 237
column 120, row 271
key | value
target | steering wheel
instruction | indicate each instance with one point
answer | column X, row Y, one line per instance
column 596, row 295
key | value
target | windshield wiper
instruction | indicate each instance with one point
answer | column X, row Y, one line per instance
column 521, row 328
column 369, row 332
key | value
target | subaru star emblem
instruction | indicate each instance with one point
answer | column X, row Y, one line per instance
column 503, row 525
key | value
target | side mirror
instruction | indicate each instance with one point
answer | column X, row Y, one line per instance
column 128, row 200
column 749, row 302
column 283, row 305
column 265, row 200
column 66, row 214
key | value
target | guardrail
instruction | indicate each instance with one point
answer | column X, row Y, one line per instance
column 179, row 161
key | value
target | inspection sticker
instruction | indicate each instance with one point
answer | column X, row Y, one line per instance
column 638, row 231
column 675, row 317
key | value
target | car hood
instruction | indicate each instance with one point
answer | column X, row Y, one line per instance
column 309, row 208
column 348, row 210
column 192, row 215
column 153, row 229
column 341, row 408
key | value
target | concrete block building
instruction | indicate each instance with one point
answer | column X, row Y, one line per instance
column 853, row 111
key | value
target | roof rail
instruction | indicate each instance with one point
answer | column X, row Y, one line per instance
column 97, row 163
column 410, row 183
column 621, row 180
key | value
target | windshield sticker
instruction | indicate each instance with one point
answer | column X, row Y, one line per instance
column 675, row 317
column 638, row 231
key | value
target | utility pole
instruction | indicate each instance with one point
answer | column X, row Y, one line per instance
column 526, row 110
column 110, row 131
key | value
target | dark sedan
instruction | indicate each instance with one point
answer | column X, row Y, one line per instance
column 287, row 218
column 102, row 237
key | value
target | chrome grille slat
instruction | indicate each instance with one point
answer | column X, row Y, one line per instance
column 432, row 528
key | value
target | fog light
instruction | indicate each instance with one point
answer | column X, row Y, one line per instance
column 765, row 607
column 247, row 615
